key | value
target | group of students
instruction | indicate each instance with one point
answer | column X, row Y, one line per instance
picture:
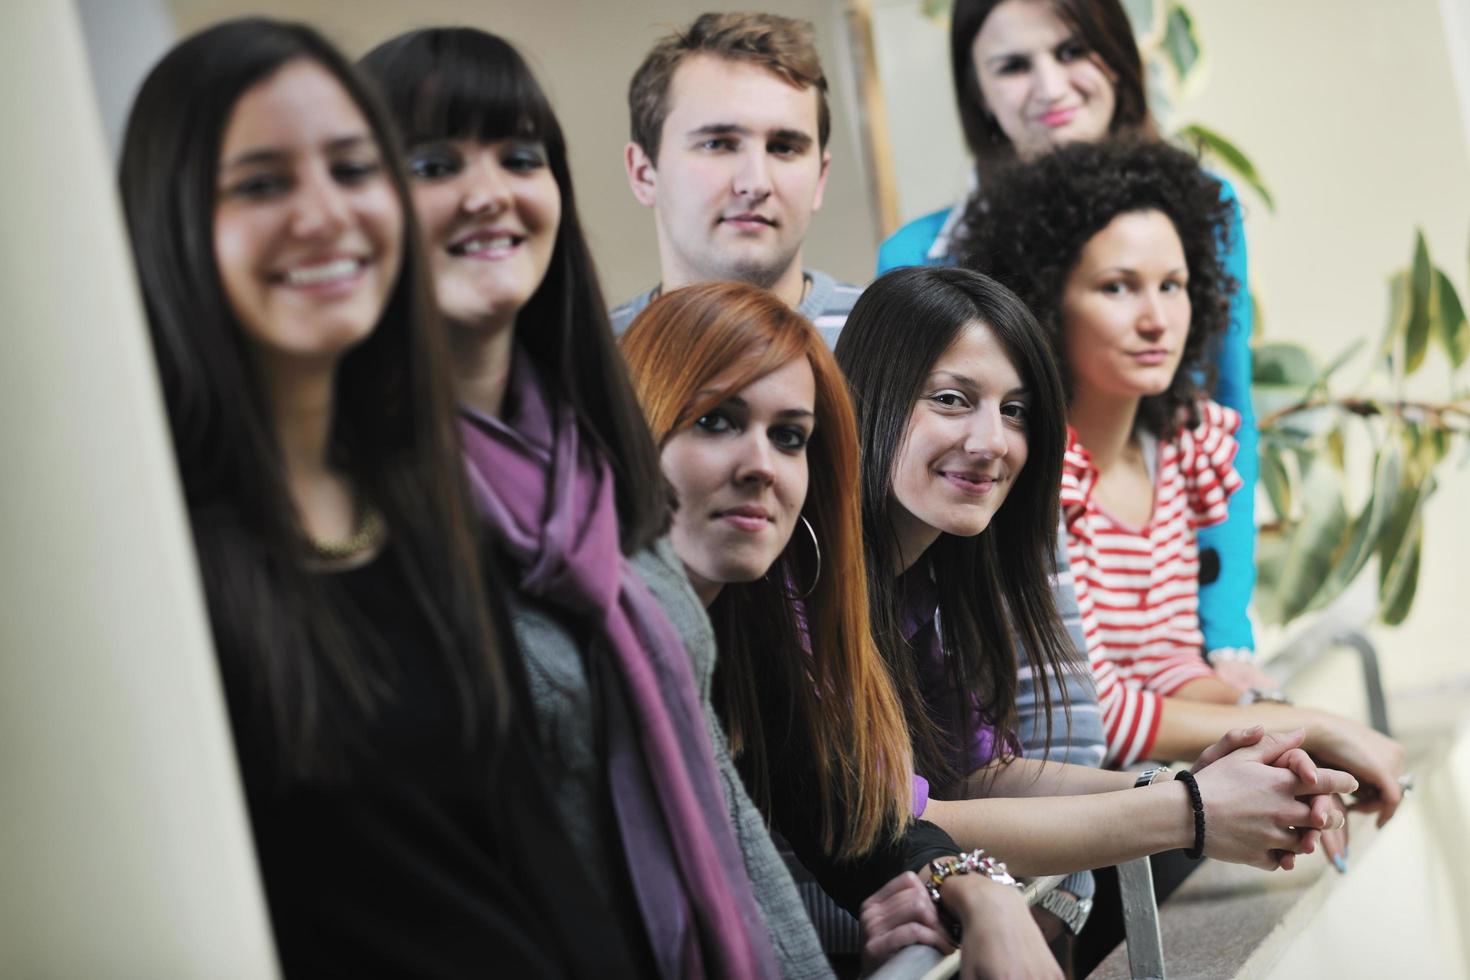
column 534, row 638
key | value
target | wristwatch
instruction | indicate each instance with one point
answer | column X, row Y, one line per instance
column 1072, row 911
column 1148, row 776
column 1258, row 695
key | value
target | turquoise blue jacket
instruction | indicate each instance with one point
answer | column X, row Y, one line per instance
column 1222, row 603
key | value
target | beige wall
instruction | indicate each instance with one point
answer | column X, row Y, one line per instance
column 584, row 53
column 1351, row 110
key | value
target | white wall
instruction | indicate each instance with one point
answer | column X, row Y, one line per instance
column 124, row 847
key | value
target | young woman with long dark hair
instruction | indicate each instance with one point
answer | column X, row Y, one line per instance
column 378, row 703
column 961, row 417
column 757, row 438
column 617, row 646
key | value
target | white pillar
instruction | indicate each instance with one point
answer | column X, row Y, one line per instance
column 124, row 846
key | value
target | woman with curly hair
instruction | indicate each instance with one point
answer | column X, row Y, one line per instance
column 1033, row 75
column 1115, row 249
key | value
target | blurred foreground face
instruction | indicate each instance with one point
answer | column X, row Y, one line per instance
column 966, row 441
column 489, row 213
column 740, row 475
column 1126, row 309
column 1039, row 80
column 307, row 229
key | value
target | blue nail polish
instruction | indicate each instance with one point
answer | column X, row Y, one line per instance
column 1340, row 863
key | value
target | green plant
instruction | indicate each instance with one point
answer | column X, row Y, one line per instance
column 1175, row 59
column 1317, row 444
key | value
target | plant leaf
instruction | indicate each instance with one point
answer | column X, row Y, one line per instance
column 1454, row 331
column 1400, row 308
column 1421, row 283
column 1314, row 541
column 1181, row 43
column 1397, row 593
column 1210, row 141
column 1367, row 527
column 1398, row 530
column 1283, row 364
column 1277, row 481
column 1337, row 448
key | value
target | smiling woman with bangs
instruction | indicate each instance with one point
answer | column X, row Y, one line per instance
column 566, row 477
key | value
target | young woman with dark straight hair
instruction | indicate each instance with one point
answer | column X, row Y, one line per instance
column 378, row 703
column 961, row 415
column 617, row 646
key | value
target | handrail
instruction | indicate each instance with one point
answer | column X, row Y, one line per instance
column 927, row 963
column 1314, row 643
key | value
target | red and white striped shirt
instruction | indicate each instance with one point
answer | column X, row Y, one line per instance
column 1138, row 587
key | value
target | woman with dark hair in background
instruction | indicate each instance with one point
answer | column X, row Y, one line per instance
column 960, row 414
column 378, row 703
column 617, row 647
column 758, row 441
column 1113, row 246
column 1032, row 75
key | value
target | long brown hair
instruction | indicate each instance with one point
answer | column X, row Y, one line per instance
column 1101, row 26
column 688, row 351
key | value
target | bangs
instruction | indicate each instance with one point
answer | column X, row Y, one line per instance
column 745, row 369
column 460, row 84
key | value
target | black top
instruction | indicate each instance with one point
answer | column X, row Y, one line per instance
column 793, row 813
column 432, row 856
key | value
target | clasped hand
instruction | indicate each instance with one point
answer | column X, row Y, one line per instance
column 1265, row 800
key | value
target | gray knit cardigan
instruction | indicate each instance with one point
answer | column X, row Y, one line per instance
column 557, row 672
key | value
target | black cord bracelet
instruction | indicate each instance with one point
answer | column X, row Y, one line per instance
column 1197, row 804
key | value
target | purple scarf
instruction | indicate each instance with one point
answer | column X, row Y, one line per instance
column 550, row 501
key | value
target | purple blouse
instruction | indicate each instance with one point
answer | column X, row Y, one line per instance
column 920, row 624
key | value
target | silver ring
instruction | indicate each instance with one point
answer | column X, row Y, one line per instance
column 1406, row 782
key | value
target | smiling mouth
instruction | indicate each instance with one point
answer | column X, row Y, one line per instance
column 487, row 246
column 321, row 273
column 975, row 484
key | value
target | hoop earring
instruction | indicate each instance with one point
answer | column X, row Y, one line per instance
column 816, row 547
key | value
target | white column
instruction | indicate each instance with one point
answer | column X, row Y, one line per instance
column 124, row 846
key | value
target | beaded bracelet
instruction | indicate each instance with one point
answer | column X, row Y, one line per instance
column 976, row 861
column 1197, row 804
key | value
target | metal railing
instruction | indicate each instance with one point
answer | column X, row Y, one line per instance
column 927, row 963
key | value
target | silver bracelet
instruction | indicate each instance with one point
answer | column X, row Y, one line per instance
column 970, row 862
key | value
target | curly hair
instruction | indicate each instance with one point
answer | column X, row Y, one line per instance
column 1028, row 227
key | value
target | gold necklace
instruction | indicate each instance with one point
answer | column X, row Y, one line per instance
column 369, row 535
